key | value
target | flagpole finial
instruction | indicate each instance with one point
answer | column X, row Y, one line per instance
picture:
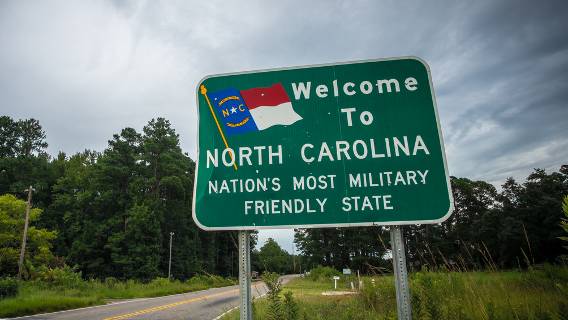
column 203, row 90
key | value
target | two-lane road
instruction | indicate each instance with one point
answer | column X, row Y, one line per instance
column 206, row 305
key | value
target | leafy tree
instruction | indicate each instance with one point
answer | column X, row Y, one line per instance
column 23, row 160
column 31, row 138
column 118, row 174
column 8, row 137
column 490, row 228
column 38, row 247
column 469, row 230
column 273, row 258
column 143, row 238
column 168, row 185
column 357, row 248
column 535, row 219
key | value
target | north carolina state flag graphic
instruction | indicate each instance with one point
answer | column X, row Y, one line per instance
column 270, row 106
column 253, row 109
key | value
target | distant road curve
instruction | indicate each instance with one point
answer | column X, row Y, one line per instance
column 199, row 305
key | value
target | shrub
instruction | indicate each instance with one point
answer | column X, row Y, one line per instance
column 323, row 273
column 425, row 296
column 8, row 287
column 111, row 282
column 379, row 295
column 291, row 309
column 208, row 281
column 216, row 281
column 160, row 282
column 272, row 281
column 65, row 277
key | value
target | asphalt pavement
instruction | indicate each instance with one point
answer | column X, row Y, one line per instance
column 199, row 305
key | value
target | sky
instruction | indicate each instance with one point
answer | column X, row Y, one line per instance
column 87, row 69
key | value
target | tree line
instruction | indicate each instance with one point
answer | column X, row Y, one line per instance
column 514, row 227
column 110, row 214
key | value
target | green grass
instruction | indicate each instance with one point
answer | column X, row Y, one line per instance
column 33, row 300
column 39, row 297
column 158, row 287
column 536, row 294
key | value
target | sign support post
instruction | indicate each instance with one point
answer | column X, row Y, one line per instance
column 244, row 275
column 400, row 274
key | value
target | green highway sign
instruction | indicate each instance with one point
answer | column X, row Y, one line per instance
column 346, row 144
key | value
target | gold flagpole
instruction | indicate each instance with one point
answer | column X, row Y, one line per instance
column 203, row 91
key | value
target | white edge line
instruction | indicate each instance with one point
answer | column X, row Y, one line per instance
column 329, row 225
column 226, row 312
column 109, row 304
column 236, row 307
column 230, row 310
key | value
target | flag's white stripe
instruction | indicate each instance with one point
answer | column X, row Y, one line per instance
column 268, row 116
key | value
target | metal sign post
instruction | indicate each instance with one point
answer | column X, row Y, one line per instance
column 244, row 274
column 400, row 274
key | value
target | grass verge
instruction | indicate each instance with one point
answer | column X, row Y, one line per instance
column 535, row 294
column 40, row 297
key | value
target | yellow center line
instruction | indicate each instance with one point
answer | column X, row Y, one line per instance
column 167, row 306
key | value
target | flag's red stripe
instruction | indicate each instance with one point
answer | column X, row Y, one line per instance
column 268, row 96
